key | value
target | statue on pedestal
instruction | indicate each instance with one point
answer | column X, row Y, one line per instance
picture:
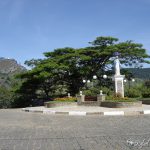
column 118, row 78
column 117, row 66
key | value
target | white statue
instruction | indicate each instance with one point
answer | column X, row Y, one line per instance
column 117, row 66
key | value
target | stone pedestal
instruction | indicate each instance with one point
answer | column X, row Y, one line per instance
column 119, row 86
column 100, row 98
column 80, row 99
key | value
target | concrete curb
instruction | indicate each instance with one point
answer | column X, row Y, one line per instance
column 145, row 112
column 83, row 113
column 114, row 113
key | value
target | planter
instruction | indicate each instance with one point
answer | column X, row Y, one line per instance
column 121, row 104
column 88, row 103
column 59, row 104
column 145, row 101
column 90, row 98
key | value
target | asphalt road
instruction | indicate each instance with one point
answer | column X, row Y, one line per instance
column 34, row 131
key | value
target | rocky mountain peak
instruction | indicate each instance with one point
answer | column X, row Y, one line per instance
column 8, row 65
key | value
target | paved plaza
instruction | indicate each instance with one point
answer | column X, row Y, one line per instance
column 36, row 131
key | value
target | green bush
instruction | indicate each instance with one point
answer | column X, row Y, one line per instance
column 146, row 92
column 147, row 83
column 133, row 92
column 95, row 91
column 91, row 92
column 116, row 97
column 5, row 98
column 107, row 91
column 88, row 93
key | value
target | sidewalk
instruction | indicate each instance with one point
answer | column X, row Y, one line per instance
column 90, row 110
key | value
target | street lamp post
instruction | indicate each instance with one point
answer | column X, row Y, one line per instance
column 95, row 77
column 105, row 76
column 93, row 82
column 129, row 82
column 87, row 82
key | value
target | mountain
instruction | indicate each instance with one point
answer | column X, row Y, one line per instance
column 8, row 68
column 141, row 73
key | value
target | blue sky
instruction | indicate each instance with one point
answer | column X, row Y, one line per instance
column 30, row 27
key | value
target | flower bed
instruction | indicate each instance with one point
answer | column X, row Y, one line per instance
column 65, row 99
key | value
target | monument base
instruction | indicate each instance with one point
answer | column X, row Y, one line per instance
column 119, row 86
